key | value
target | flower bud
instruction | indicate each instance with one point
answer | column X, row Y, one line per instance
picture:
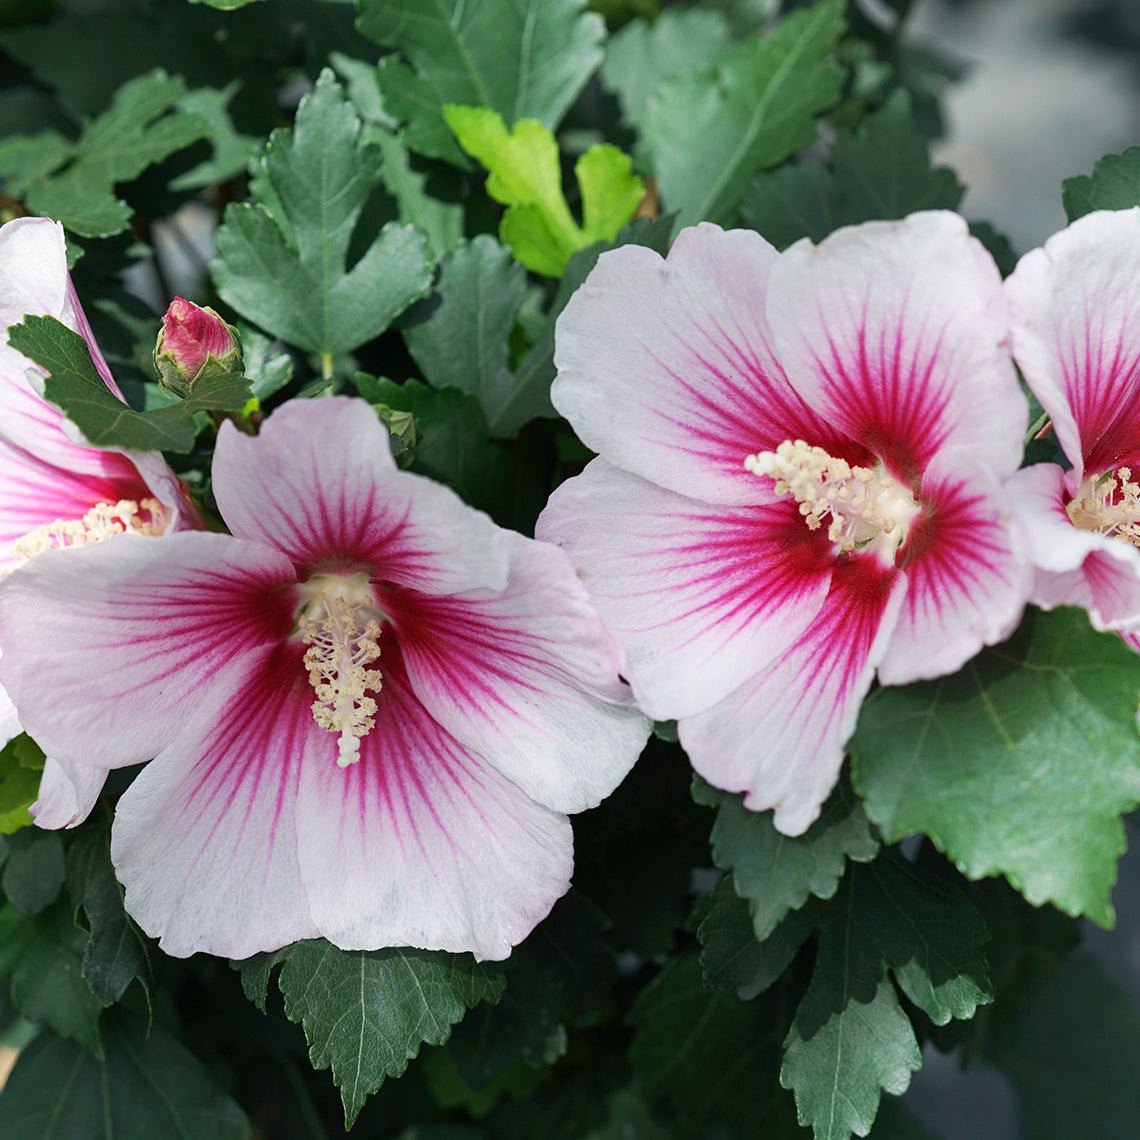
column 194, row 343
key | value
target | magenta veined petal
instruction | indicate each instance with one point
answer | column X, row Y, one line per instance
column 319, row 484
column 665, row 366
column 137, row 636
column 895, row 332
column 699, row 596
column 423, row 843
column 967, row 577
column 1074, row 567
column 780, row 736
column 526, row 677
column 1075, row 315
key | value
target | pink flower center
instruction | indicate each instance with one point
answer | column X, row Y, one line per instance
column 339, row 623
column 1108, row 504
column 103, row 521
column 868, row 509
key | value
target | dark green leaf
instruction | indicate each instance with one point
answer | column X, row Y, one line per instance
column 283, row 259
column 366, row 1013
column 116, row 952
column 776, row 873
column 1018, row 765
column 75, row 387
column 34, row 871
column 795, row 201
column 709, row 132
column 1114, row 185
column 526, row 59
column 43, row 956
column 232, row 151
column 147, row 1086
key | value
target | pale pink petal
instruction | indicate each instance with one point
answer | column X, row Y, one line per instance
column 319, row 484
column 205, row 838
column 895, row 332
column 422, row 843
column 780, row 736
column 526, row 677
column 699, row 596
column 68, row 792
column 1075, row 313
column 109, row 648
column 968, row 578
column 665, row 367
column 1074, row 567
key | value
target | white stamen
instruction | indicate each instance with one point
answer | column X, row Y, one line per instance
column 147, row 516
column 866, row 506
column 339, row 626
column 1108, row 504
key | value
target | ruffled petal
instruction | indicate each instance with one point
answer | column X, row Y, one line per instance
column 1075, row 315
column 1074, row 567
column 421, row 843
column 205, row 838
column 319, row 484
column 968, row 580
column 107, row 649
column 895, row 332
column 526, row 678
column 780, row 736
column 665, row 367
column 699, row 596
column 68, row 792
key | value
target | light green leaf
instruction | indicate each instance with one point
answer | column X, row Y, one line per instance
column 708, row 132
column 525, row 59
column 366, row 1013
column 74, row 386
column 526, row 176
column 282, row 260
column 19, row 785
column 1020, row 764
column 776, row 873
column 147, row 1086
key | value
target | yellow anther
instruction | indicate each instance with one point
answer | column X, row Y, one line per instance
column 1108, row 504
column 147, row 516
column 863, row 503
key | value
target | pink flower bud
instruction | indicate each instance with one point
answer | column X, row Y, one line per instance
column 194, row 342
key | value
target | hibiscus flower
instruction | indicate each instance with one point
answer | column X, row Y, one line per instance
column 1075, row 316
column 56, row 492
column 369, row 708
column 797, row 483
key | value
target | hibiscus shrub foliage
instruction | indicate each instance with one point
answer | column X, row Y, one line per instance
column 604, row 608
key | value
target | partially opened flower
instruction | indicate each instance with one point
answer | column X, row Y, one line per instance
column 1075, row 315
column 797, row 483
column 369, row 707
column 55, row 492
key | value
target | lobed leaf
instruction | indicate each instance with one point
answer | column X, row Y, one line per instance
column 1114, row 185
column 1019, row 765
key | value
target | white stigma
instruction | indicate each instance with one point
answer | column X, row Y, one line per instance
column 867, row 508
column 1108, row 504
column 147, row 516
column 339, row 625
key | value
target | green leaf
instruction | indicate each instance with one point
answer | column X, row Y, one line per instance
column 776, row 873
column 283, row 259
column 708, row 132
column 76, row 388
column 366, row 1013
column 267, row 371
column 146, row 1086
column 232, row 151
column 642, row 55
column 34, row 870
column 146, row 122
column 19, row 785
column 525, row 59
column 526, row 176
column 116, row 952
column 45, row 968
column 1019, row 765
column 1114, row 185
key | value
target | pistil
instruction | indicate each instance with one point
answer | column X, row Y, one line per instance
column 339, row 625
column 867, row 508
column 1108, row 504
